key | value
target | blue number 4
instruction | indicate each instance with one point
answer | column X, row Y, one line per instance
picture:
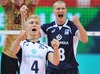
column 35, row 67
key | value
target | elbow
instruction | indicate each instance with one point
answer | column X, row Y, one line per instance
column 12, row 52
column 56, row 63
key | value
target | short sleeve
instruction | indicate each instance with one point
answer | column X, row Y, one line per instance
column 74, row 29
column 49, row 51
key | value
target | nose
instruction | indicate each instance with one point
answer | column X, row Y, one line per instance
column 61, row 10
column 33, row 24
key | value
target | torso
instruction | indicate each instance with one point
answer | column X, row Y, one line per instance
column 65, row 36
column 33, row 57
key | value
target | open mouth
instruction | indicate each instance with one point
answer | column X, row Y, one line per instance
column 33, row 29
column 60, row 15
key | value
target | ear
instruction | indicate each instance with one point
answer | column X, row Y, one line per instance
column 53, row 11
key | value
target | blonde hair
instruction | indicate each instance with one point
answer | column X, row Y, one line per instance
column 59, row 2
column 34, row 16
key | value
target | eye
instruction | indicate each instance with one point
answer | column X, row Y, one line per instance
column 58, row 8
column 63, row 8
column 31, row 22
column 37, row 22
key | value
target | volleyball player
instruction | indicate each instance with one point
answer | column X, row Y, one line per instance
column 65, row 31
column 13, row 22
column 31, row 52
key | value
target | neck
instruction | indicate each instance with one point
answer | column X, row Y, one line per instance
column 61, row 22
column 18, row 6
column 33, row 39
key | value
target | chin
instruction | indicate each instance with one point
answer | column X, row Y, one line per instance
column 61, row 19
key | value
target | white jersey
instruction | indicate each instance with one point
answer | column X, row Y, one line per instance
column 33, row 59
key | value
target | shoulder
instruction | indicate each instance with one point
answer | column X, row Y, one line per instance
column 45, row 45
column 70, row 23
column 46, row 25
column 23, row 42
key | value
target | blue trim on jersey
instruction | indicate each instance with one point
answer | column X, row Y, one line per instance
column 32, row 42
column 47, row 54
column 19, row 55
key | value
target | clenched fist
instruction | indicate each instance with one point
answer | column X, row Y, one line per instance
column 75, row 20
column 23, row 35
column 24, row 10
column 55, row 44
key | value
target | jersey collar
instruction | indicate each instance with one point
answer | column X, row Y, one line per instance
column 32, row 42
column 62, row 25
column 65, row 25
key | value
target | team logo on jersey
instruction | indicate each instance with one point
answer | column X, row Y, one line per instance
column 53, row 30
column 34, row 51
column 67, row 31
column 59, row 37
column 41, row 46
column 27, row 44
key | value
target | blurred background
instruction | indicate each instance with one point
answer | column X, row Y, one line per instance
column 88, row 11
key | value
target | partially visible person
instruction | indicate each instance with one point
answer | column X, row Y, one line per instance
column 12, row 15
column 31, row 51
column 68, row 33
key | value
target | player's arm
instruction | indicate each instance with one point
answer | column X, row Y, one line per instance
column 23, row 11
column 54, row 58
column 82, row 34
column 16, row 44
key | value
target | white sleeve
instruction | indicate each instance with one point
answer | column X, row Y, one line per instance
column 21, row 44
column 75, row 44
column 76, row 33
column 50, row 49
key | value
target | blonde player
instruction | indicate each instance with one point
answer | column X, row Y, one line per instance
column 13, row 22
column 31, row 51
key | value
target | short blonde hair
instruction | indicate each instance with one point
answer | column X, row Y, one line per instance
column 58, row 1
column 34, row 16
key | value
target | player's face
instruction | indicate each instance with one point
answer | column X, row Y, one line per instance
column 59, row 11
column 18, row 2
column 33, row 26
column 3, row 2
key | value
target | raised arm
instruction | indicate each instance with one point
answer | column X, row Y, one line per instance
column 82, row 34
column 54, row 57
column 16, row 44
column 23, row 11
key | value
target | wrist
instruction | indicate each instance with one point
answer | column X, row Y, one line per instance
column 19, row 39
